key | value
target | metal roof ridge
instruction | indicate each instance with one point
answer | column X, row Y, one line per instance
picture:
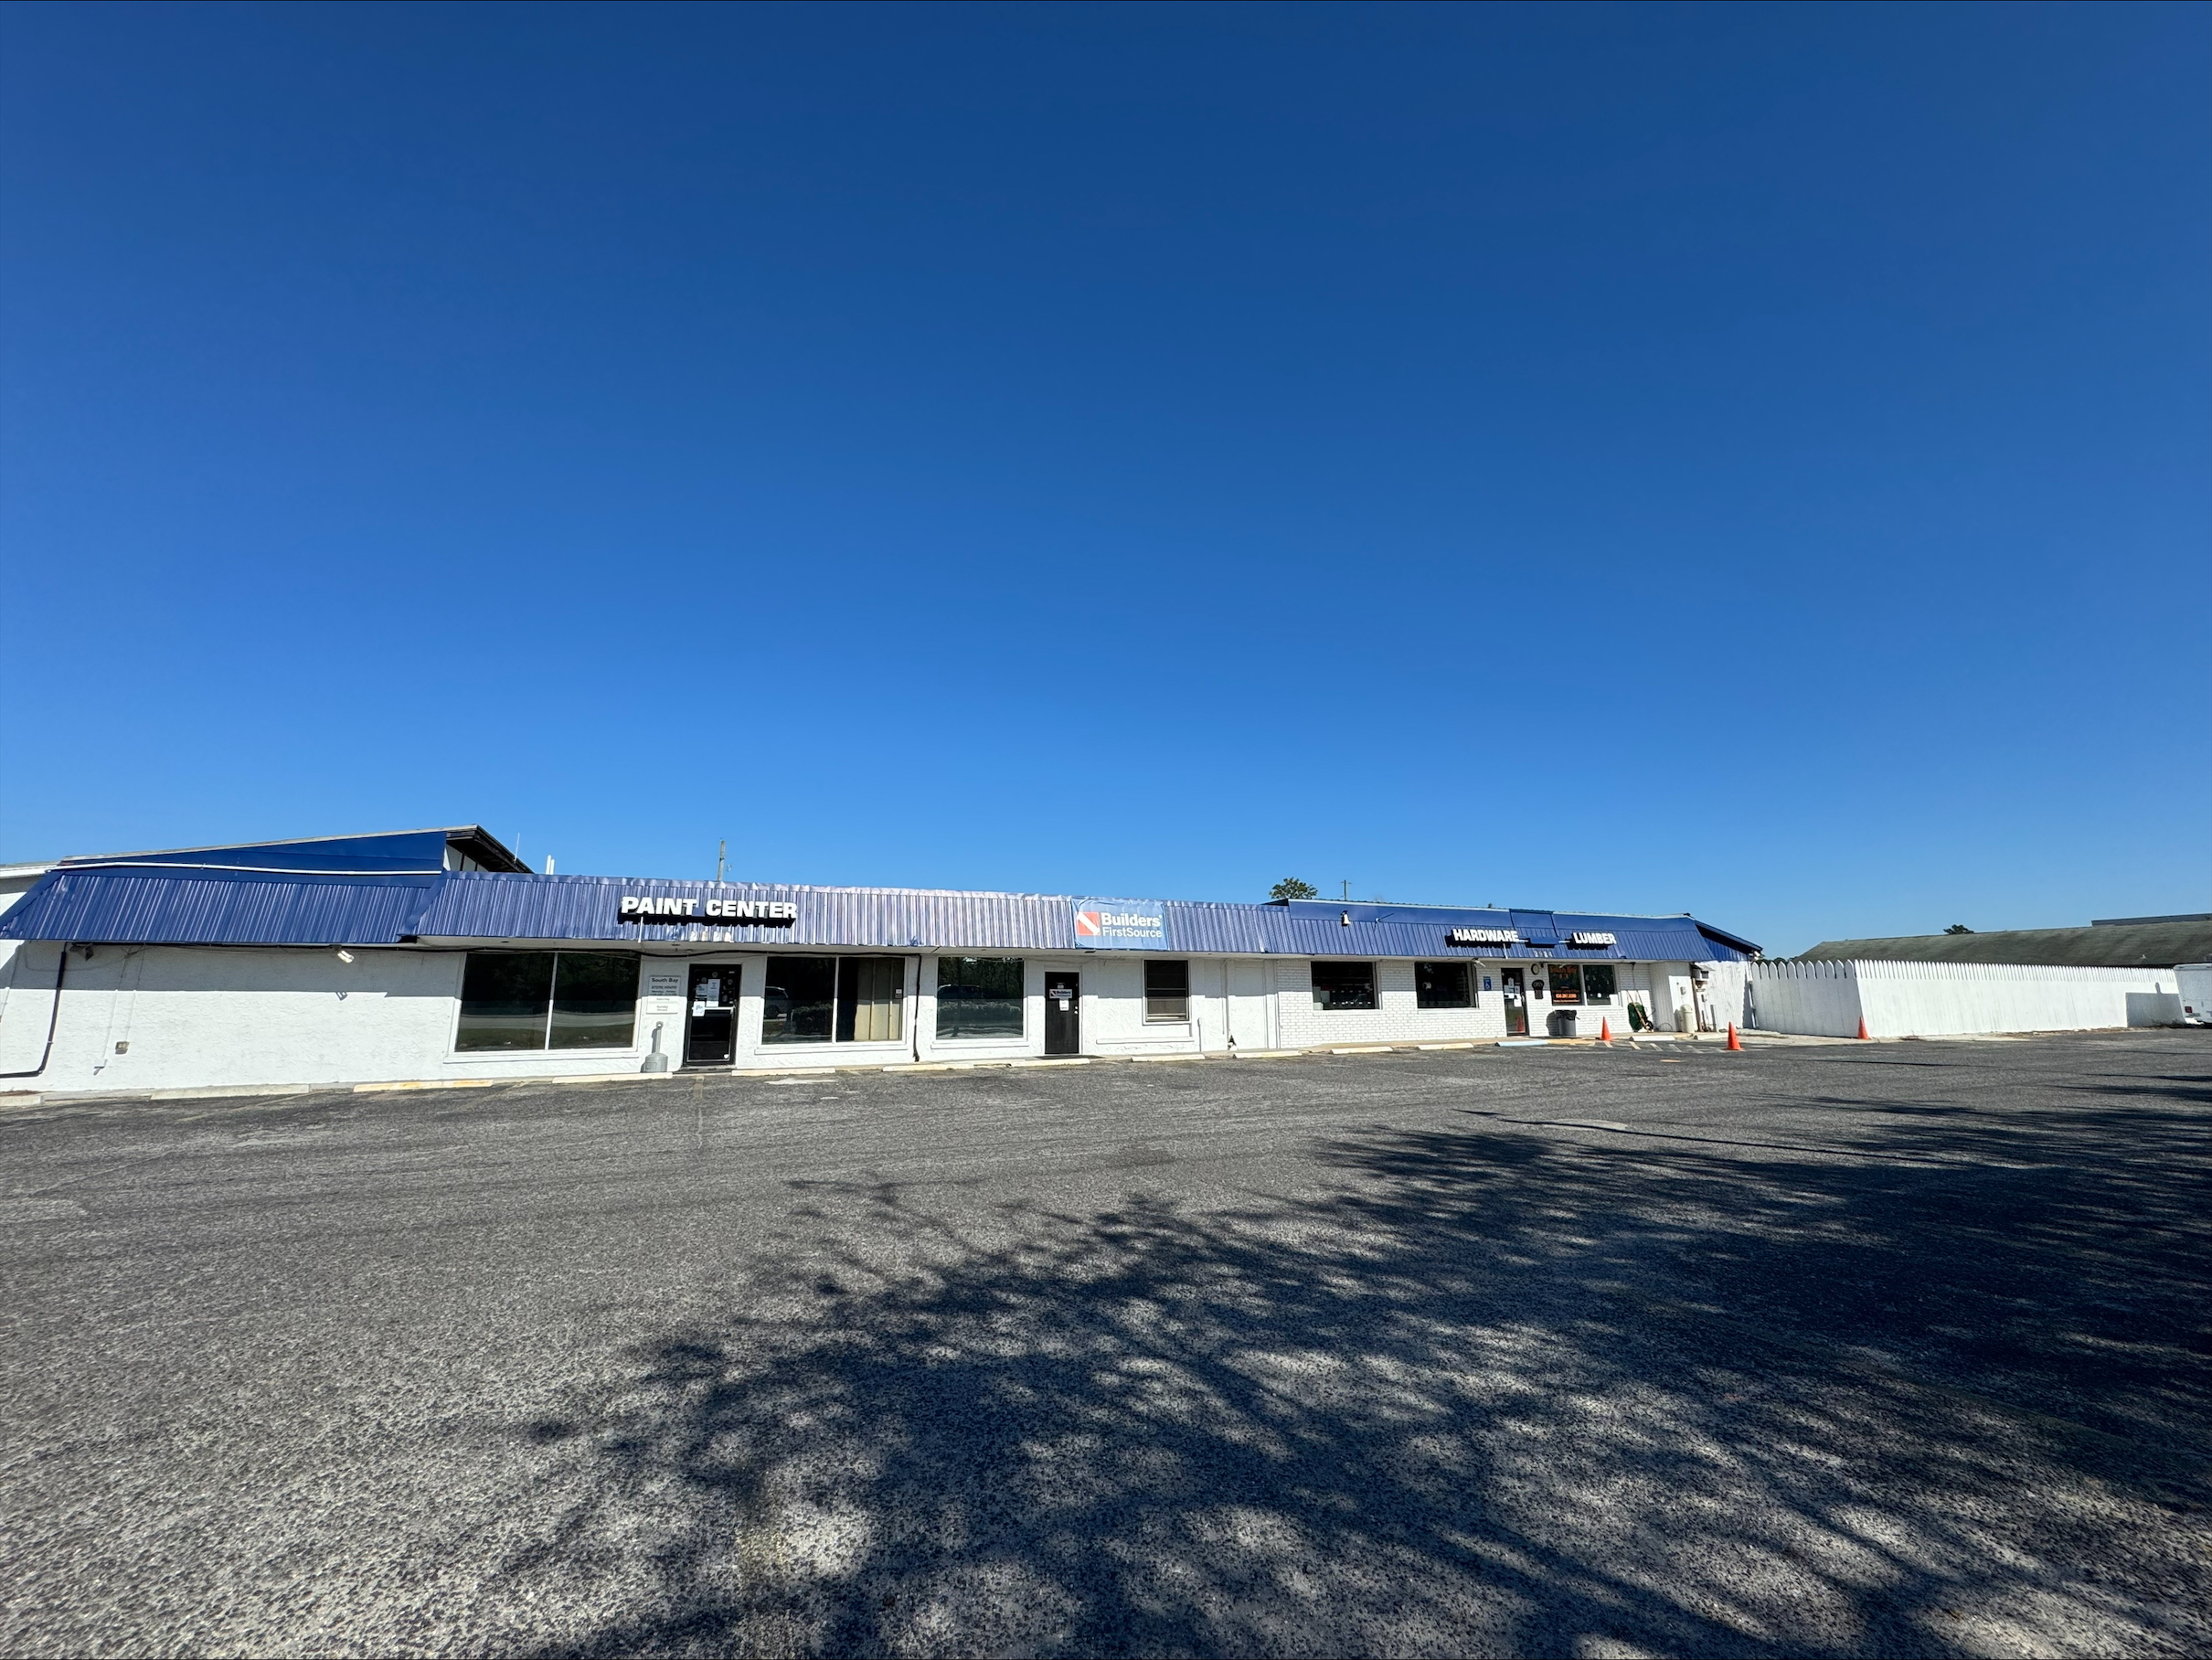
column 1988, row 933
column 282, row 841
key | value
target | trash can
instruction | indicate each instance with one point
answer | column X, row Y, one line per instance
column 1562, row 1023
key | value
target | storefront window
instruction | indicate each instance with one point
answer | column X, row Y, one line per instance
column 1442, row 985
column 871, row 994
column 1166, row 992
column 1343, row 985
column 979, row 997
column 1598, row 982
column 503, row 995
column 798, row 1000
column 594, row 1001
column 543, row 999
column 1566, row 982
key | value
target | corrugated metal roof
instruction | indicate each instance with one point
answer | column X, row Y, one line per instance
column 585, row 908
column 233, row 908
column 1242, row 930
column 388, row 853
column 132, row 908
column 1536, row 927
column 2101, row 946
column 477, row 906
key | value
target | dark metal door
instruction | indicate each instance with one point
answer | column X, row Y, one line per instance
column 1063, row 1014
column 1517, row 1003
column 710, row 1039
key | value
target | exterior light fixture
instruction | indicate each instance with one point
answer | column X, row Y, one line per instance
column 344, row 955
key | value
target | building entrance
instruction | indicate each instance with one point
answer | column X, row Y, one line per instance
column 710, row 1036
column 1063, row 1014
column 1515, row 994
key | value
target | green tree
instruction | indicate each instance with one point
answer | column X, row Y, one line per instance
column 1290, row 888
column 1958, row 928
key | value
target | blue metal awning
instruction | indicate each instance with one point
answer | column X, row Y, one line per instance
column 211, row 901
column 134, row 908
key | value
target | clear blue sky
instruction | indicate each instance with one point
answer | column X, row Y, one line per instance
column 1748, row 460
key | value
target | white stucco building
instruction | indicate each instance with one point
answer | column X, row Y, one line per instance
column 435, row 956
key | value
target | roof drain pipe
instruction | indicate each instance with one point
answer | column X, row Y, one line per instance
column 53, row 1020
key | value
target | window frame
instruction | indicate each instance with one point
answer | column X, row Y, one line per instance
column 768, row 980
column 554, row 1010
column 550, row 1008
column 1181, row 1015
column 1423, row 971
column 1371, row 1006
column 1573, row 998
column 1592, row 996
column 1020, row 1001
column 845, row 1012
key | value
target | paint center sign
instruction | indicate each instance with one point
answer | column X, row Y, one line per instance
column 1120, row 924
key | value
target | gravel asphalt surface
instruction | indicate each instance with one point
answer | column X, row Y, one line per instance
column 1859, row 1349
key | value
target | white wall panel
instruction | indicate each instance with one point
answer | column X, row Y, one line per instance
column 1932, row 999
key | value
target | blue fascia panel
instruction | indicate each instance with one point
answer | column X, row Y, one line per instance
column 100, row 904
column 486, row 906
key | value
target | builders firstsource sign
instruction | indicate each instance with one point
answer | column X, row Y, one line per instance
column 1120, row 924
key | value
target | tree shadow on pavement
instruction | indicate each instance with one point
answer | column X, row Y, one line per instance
column 1489, row 1391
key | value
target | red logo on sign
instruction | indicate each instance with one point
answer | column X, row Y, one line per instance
column 1087, row 922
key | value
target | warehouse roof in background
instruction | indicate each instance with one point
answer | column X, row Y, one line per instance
column 384, row 853
column 2146, row 944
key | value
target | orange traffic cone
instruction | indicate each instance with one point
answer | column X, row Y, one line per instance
column 1863, row 1036
column 1605, row 1031
column 1735, row 1042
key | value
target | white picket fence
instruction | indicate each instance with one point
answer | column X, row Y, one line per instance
column 1929, row 999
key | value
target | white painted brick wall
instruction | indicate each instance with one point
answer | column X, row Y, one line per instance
column 201, row 1018
column 193, row 1018
column 1398, row 1020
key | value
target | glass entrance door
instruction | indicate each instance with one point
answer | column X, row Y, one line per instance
column 710, row 1036
column 1516, row 993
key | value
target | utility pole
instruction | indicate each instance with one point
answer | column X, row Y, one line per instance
column 721, row 857
column 1347, row 888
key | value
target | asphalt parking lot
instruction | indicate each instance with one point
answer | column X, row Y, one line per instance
column 1896, row 1349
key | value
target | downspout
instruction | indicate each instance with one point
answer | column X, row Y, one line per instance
column 53, row 1020
column 914, row 1011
